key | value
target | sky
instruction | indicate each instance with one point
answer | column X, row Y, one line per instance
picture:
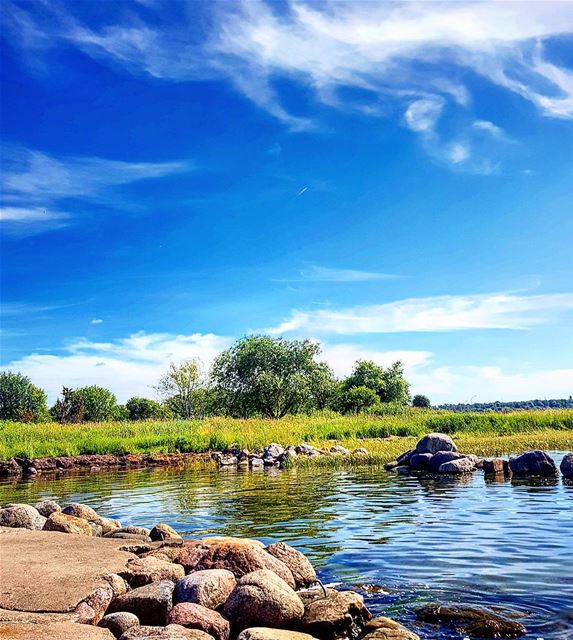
column 392, row 179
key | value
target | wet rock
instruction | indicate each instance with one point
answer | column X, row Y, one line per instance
column 164, row 532
column 533, row 463
column 237, row 555
column 462, row 465
column 267, row 633
column 209, row 588
column 170, row 632
column 9, row 468
column 21, row 516
column 150, row 603
column 141, row 571
column 65, row 523
column 386, row 629
column 404, row 459
column 300, row 566
column 390, row 466
column 340, row 614
column 438, row 459
column 434, row 442
column 566, row 466
column 195, row 616
column 261, row 598
column 499, row 628
column 493, row 465
column 402, row 470
column 339, row 450
column 47, row 507
column 420, row 461
column 119, row 622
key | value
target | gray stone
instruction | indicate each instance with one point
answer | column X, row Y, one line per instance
column 439, row 458
column 341, row 614
column 119, row 622
column 462, row 465
column 274, row 450
column 566, row 466
column 47, row 507
column 141, row 571
column 420, row 461
column 434, row 442
column 533, row 463
column 209, row 588
column 194, row 616
column 21, row 516
column 150, row 603
column 170, row 632
column 300, row 566
column 162, row 532
column 404, row 459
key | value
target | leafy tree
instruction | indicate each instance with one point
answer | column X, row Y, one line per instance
column 69, row 408
column 423, row 402
column 323, row 387
column 179, row 387
column 86, row 404
column 268, row 376
column 20, row 400
column 396, row 388
column 145, row 409
column 366, row 373
column 358, row 400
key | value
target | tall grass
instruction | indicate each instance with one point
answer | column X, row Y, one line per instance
column 51, row 439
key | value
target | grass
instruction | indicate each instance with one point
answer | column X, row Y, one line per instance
column 485, row 433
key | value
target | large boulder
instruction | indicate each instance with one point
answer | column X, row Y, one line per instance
column 170, row 632
column 386, row 629
column 261, row 598
column 209, row 588
column 339, row 614
column 405, row 458
column 462, row 465
column 64, row 523
column 420, row 461
column 87, row 513
column 47, row 507
column 494, row 466
column 567, row 466
column 234, row 554
column 141, row 571
column 300, row 566
column 150, row 603
column 118, row 623
column 164, row 532
column 21, row 516
column 434, row 442
column 533, row 463
column 194, row 616
column 267, row 633
column 438, row 459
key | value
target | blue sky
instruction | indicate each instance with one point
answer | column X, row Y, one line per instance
column 392, row 179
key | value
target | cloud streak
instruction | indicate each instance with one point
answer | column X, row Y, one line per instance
column 317, row 273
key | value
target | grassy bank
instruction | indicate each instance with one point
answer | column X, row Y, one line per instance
column 553, row 429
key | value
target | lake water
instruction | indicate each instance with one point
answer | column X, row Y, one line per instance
column 419, row 540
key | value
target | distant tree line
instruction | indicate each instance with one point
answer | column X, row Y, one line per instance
column 520, row 405
column 258, row 376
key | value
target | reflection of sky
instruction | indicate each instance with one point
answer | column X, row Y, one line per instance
column 419, row 538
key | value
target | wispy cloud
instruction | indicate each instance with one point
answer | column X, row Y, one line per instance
column 434, row 314
column 317, row 273
column 96, row 321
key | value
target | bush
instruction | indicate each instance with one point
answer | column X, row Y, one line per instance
column 422, row 402
column 359, row 400
column 145, row 409
column 86, row 404
column 20, row 400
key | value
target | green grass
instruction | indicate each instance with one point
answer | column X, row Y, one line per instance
column 551, row 428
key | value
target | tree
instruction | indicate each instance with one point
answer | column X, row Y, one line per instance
column 86, row 404
column 396, row 388
column 269, row 376
column 389, row 384
column 69, row 408
column 358, row 400
column 145, row 409
column 180, row 387
column 423, row 402
column 20, row 400
column 323, row 387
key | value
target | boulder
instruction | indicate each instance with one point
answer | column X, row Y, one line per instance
column 274, row 450
column 21, row 516
column 439, row 458
column 420, row 461
column 261, row 598
column 402, row 470
column 390, row 466
column 267, row 633
column 209, row 588
column 164, row 532
column 256, row 463
column 462, row 465
column 533, row 463
column 81, row 511
column 300, row 566
column 493, row 466
column 434, row 442
column 566, row 466
column 150, row 603
column 92, row 608
column 141, row 571
column 119, row 622
column 9, row 468
column 340, row 614
column 122, row 535
column 339, row 450
column 52, row 631
column 240, row 556
column 404, row 459
column 307, row 450
column 47, row 507
column 194, row 616
column 361, row 451
column 170, row 632
column 64, row 523
column 386, row 629
column 140, row 531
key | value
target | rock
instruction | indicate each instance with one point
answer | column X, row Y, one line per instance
column 402, row 470
column 340, row 614
column 47, row 507
column 361, row 451
column 289, row 454
column 386, row 629
column 420, row 461
column 533, row 463
column 121, row 535
column 119, row 622
column 118, row 585
column 21, row 516
column 261, row 598
column 9, row 468
column 266, row 633
column 256, row 463
column 493, row 465
column 339, row 450
column 140, row 531
column 462, row 465
column 300, row 566
column 404, row 459
column 274, row 450
column 390, row 466
column 209, row 588
column 81, row 511
column 227, row 460
column 434, row 442
column 64, row 523
column 52, row 631
column 307, row 450
column 195, row 616
column 94, row 605
column 237, row 555
column 108, row 525
column 141, row 571
column 165, row 553
column 566, row 466
column 164, row 532
column 501, row 628
column 170, row 632
column 439, row 458
column 150, row 603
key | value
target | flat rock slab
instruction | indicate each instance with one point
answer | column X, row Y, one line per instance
column 47, row 571
column 52, row 631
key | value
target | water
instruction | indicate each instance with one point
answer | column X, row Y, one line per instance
column 414, row 540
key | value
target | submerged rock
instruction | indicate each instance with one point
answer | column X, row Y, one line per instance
column 434, row 442
column 341, row 614
column 533, row 463
column 21, row 516
column 566, row 466
column 209, row 588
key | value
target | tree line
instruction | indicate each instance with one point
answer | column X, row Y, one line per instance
column 258, row 376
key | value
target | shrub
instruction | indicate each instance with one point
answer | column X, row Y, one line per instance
column 69, row 408
column 144, row 409
column 359, row 400
column 423, row 402
column 86, row 404
column 20, row 400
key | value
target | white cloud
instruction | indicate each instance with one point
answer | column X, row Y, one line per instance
column 489, row 127
column 439, row 313
column 422, row 115
column 96, row 321
column 458, row 152
column 26, row 220
column 317, row 273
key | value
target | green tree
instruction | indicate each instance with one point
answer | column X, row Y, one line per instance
column 366, row 373
column 267, row 376
column 145, row 409
column 180, row 386
column 422, row 402
column 358, row 400
column 20, row 400
column 396, row 389
column 99, row 404
column 69, row 408
column 323, row 387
